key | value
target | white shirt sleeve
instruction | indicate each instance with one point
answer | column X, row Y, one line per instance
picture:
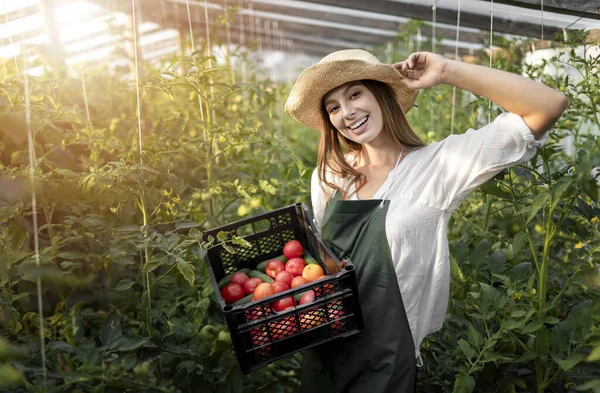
column 470, row 159
column 318, row 199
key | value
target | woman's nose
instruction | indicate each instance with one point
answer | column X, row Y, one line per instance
column 348, row 111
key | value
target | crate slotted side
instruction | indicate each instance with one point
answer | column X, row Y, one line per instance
column 285, row 224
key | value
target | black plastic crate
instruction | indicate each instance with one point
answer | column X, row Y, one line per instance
column 260, row 335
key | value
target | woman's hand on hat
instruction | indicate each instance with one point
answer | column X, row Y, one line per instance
column 422, row 70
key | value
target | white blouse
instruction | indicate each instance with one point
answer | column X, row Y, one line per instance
column 424, row 190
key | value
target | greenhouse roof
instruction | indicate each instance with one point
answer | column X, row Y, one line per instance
column 89, row 30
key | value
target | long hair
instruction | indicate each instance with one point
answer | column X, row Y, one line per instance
column 333, row 145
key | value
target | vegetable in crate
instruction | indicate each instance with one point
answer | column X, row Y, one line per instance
column 251, row 284
column 262, row 291
column 239, row 278
column 295, row 266
column 273, row 267
column 231, row 293
column 293, row 249
column 285, row 276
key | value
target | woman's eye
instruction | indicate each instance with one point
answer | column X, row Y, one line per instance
column 355, row 94
column 333, row 109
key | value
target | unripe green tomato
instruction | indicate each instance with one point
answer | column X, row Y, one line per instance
column 224, row 336
column 596, row 100
column 207, row 332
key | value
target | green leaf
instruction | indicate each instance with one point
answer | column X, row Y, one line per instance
column 497, row 262
column 240, row 241
column 154, row 263
column 10, row 352
column 125, row 344
column 467, row 349
column 124, row 284
column 593, row 385
column 71, row 255
column 268, row 187
column 464, row 384
column 479, row 255
column 455, row 272
column 570, row 361
column 519, row 241
column 591, row 189
column 222, row 236
column 10, row 377
column 186, row 269
column 533, row 326
column 473, row 336
column 492, row 188
column 594, row 355
column 538, row 202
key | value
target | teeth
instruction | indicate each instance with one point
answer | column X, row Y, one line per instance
column 358, row 124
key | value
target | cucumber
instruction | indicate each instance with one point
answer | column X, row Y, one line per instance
column 261, row 275
column 243, row 300
column 263, row 265
column 309, row 259
column 227, row 279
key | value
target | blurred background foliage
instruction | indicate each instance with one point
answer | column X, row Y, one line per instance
column 126, row 300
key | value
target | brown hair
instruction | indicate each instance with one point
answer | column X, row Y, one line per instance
column 333, row 145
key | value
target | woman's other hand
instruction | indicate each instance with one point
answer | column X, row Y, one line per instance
column 422, row 70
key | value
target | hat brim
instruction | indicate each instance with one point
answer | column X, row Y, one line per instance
column 304, row 101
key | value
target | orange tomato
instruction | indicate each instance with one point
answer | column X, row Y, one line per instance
column 335, row 310
column 312, row 272
column 283, row 328
column 311, row 319
column 299, row 280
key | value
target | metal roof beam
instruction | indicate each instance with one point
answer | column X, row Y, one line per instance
column 582, row 8
column 443, row 15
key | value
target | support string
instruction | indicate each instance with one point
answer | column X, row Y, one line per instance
column 455, row 58
column 36, row 243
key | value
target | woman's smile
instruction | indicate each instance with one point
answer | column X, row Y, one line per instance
column 354, row 112
column 359, row 126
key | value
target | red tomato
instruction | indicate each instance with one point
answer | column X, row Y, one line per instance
column 295, row 266
column 334, row 312
column 273, row 267
column 251, row 284
column 297, row 281
column 285, row 276
column 263, row 290
column 307, row 297
column 279, row 286
column 293, row 249
column 232, row 293
column 239, row 278
column 259, row 336
column 325, row 289
column 311, row 319
column 257, row 313
column 283, row 304
column 283, row 328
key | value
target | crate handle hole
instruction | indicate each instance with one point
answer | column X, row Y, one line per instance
column 253, row 227
column 348, row 268
column 227, row 308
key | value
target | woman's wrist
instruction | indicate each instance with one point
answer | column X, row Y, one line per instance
column 451, row 72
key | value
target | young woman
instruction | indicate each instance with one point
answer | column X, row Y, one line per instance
column 383, row 198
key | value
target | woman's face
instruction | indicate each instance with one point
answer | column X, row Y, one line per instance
column 354, row 111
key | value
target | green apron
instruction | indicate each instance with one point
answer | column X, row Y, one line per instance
column 381, row 359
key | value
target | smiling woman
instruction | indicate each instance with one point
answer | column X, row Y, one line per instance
column 383, row 199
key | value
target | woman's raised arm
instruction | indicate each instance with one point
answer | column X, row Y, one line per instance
column 538, row 105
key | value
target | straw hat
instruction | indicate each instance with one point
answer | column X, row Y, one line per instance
column 335, row 69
